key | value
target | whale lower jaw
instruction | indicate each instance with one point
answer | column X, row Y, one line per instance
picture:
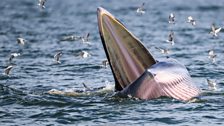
column 135, row 70
column 127, row 56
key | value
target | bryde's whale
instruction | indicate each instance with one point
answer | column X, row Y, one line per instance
column 135, row 70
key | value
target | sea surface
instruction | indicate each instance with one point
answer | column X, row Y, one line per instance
column 24, row 94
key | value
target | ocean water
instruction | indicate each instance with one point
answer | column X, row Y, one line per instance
column 24, row 97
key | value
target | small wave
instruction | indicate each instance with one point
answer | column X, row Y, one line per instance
column 209, row 8
column 74, row 92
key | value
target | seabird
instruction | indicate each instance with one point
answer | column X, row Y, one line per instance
column 212, row 55
column 211, row 84
column 215, row 30
column 13, row 55
column 171, row 18
column 171, row 38
column 42, row 3
column 86, row 88
column 85, row 38
column 163, row 51
column 141, row 10
column 84, row 54
column 21, row 41
column 57, row 57
column 105, row 63
column 8, row 69
column 191, row 20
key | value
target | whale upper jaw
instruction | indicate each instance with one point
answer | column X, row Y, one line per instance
column 127, row 56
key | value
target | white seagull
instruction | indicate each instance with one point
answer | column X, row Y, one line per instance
column 141, row 10
column 21, row 41
column 211, row 84
column 84, row 54
column 7, row 70
column 105, row 63
column 86, row 88
column 171, row 38
column 13, row 55
column 57, row 57
column 171, row 18
column 41, row 3
column 191, row 20
column 215, row 31
column 163, row 51
column 212, row 55
column 85, row 38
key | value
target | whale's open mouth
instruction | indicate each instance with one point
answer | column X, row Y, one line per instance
column 127, row 56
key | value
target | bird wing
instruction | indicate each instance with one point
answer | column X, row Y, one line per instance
column 7, row 70
column 11, row 57
column 218, row 30
column 57, row 56
column 190, row 18
column 142, row 6
column 87, row 35
column 213, row 28
column 170, row 37
column 86, row 87
column 160, row 49
column 211, row 53
column 210, row 83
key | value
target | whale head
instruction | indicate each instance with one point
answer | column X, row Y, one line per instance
column 135, row 71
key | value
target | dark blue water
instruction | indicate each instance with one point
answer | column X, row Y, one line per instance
column 24, row 98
